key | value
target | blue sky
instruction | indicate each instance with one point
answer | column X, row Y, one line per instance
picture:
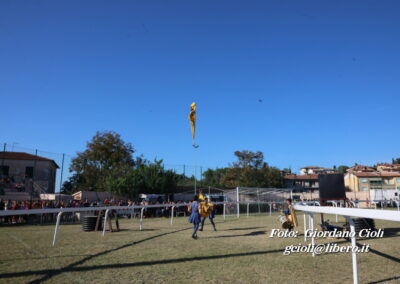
column 305, row 82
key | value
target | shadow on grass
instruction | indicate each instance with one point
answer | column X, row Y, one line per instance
column 244, row 229
column 396, row 259
column 72, row 267
column 371, row 250
column 385, row 280
column 251, row 234
column 391, row 232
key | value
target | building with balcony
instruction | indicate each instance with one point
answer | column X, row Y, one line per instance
column 363, row 178
column 23, row 172
column 301, row 182
column 314, row 170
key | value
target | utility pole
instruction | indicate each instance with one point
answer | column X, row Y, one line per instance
column 34, row 174
column 2, row 160
column 195, row 188
column 61, row 177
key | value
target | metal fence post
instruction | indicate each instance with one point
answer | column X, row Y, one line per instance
column 237, row 201
column 57, row 227
column 172, row 214
column 141, row 217
column 270, row 209
column 354, row 247
column 224, row 211
column 105, row 221
column 312, row 229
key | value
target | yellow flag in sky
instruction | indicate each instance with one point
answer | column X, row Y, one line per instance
column 192, row 119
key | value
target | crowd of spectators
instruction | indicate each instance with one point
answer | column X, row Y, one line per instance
column 150, row 212
column 9, row 205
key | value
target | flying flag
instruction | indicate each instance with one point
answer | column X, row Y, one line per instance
column 192, row 119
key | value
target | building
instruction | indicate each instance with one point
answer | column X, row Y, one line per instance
column 305, row 182
column 388, row 168
column 364, row 178
column 25, row 172
column 314, row 170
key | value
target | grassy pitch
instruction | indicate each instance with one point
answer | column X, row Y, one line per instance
column 239, row 252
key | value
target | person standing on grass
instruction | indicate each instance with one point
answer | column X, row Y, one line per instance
column 290, row 214
column 210, row 213
column 195, row 216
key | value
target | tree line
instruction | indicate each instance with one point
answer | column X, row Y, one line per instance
column 109, row 164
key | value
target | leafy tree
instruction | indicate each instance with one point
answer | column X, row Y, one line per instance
column 72, row 184
column 214, row 177
column 396, row 161
column 251, row 171
column 272, row 177
column 249, row 159
column 105, row 155
column 121, row 181
column 186, row 181
column 152, row 178
column 342, row 169
column 287, row 171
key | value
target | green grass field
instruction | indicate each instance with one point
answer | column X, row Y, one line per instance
column 239, row 252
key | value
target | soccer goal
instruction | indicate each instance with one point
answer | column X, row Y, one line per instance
column 249, row 200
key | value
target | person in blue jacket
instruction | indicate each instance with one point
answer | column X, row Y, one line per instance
column 194, row 217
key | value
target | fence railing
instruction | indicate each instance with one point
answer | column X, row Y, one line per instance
column 142, row 208
column 348, row 213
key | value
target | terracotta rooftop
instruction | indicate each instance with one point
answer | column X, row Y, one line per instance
column 24, row 156
column 312, row 167
column 376, row 174
column 361, row 168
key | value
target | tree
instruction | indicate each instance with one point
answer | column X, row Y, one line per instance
column 121, row 181
column 214, row 177
column 342, row 169
column 251, row 171
column 249, row 159
column 105, row 155
column 396, row 161
column 72, row 184
column 152, row 178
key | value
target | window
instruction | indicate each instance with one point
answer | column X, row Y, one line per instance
column 398, row 180
column 364, row 180
column 389, row 181
column 364, row 189
column 29, row 172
